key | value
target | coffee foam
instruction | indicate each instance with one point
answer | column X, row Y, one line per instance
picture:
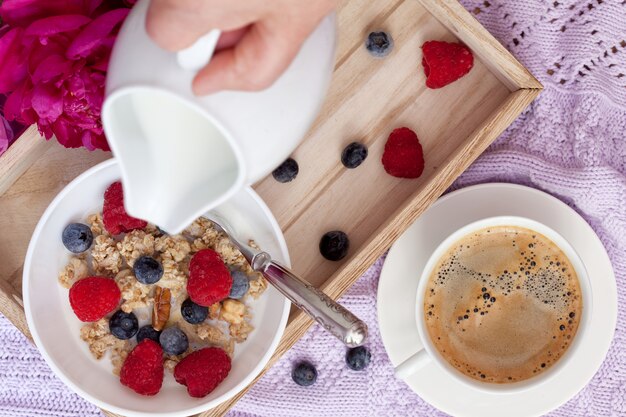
column 503, row 304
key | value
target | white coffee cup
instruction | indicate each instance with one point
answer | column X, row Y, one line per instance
column 428, row 353
column 182, row 155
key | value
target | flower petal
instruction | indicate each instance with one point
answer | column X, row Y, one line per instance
column 66, row 134
column 56, row 24
column 4, row 145
column 76, row 85
column 56, row 45
column 13, row 106
column 13, row 69
column 51, row 67
column 4, row 29
column 102, row 64
column 45, row 128
column 92, row 35
column 47, row 101
column 94, row 140
column 92, row 5
column 87, row 140
column 21, row 13
column 6, row 134
column 100, row 142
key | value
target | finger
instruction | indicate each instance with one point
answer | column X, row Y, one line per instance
column 230, row 38
column 253, row 64
column 177, row 24
column 172, row 27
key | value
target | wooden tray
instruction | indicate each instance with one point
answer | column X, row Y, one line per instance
column 368, row 98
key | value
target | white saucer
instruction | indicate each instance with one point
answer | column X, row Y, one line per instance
column 398, row 285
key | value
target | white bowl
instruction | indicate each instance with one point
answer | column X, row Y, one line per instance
column 56, row 330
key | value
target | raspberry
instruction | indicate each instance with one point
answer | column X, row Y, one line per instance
column 209, row 279
column 92, row 298
column 114, row 216
column 202, row 371
column 445, row 62
column 143, row 368
column 403, row 156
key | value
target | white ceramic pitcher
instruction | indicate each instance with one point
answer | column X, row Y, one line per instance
column 181, row 155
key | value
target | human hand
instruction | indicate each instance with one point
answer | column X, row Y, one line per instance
column 260, row 38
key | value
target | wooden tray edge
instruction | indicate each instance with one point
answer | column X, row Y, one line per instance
column 12, row 307
column 20, row 156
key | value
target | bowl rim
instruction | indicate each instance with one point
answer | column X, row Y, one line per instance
column 125, row 411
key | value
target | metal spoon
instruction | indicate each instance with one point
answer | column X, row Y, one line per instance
column 333, row 317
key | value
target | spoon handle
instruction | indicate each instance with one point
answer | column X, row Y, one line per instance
column 333, row 317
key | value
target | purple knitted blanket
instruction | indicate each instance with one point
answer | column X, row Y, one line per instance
column 569, row 143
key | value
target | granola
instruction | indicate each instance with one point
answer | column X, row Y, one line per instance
column 135, row 295
column 214, row 336
column 257, row 287
column 209, row 333
column 240, row 331
column 170, row 363
column 136, row 244
column 175, row 248
column 106, row 258
column 174, row 277
column 198, row 228
column 96, row 224
column 75, row 269
column 100, row 340
column 214, row 310
column 237, row 315
column 228, row 321
column 233, row 311
column 119, row 352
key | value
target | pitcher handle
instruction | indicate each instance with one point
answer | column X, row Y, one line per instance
column 199, row 54
column 413, row 364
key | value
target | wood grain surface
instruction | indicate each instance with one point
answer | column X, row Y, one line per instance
column 26, row 149
column 368, row 98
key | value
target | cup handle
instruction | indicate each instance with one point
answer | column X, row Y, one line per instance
column 199, row 54
column 413, row 364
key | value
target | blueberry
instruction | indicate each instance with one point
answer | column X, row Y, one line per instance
column 379, row 44
column 123, row 325
column 147, row 270
column 358, row 358
column 173, row 341
column 334, row 245
column 148, row 332
column 353, row 155
column 241, row 284
column 287, row 171
column 192, row 312
column 77, row 237
column 304, row 374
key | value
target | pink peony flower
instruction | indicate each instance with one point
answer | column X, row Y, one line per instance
column 6, row 134
column 55, row 55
